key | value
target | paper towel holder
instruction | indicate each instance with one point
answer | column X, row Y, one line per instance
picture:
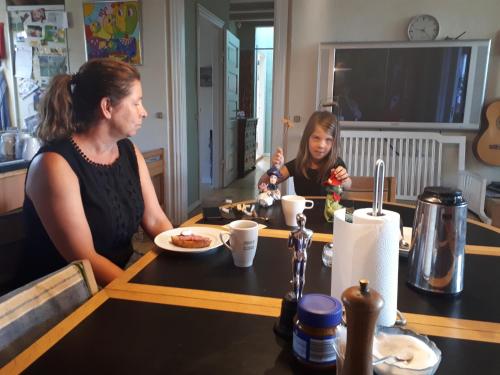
column 378, row 191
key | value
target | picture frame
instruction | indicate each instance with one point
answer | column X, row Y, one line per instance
column 113, row 29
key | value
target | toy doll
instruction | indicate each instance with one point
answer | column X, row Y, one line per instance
column 274, row 175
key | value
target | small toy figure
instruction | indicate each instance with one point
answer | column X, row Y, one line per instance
column 299, row 241
column 334, row 193
column 268, row 193
column 264, row 199
column 274, row 174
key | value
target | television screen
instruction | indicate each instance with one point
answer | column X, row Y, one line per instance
column 402, row 84
column 434, row 85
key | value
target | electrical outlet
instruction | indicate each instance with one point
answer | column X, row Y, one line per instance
column 297, row 118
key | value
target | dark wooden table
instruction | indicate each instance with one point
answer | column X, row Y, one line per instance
column 178, row 313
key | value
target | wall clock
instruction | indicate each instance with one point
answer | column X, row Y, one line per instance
column 423, row 27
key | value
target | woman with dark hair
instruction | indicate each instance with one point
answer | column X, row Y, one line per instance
column 316, row 159
column 88, row 188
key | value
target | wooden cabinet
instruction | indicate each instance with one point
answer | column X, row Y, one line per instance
column 12, row 190
column 247, row 145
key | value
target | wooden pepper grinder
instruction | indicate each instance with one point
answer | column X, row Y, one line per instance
column 362, row 308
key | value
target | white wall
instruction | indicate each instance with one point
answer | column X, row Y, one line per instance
column 315, row 21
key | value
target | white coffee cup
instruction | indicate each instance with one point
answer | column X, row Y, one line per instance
column 243, row 241
column 293, row 205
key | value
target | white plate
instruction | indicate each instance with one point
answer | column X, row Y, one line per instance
column 164, row 239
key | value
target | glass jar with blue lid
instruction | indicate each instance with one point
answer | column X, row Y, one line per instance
column 314, row 332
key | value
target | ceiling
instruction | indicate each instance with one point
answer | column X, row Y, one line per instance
column 252, row 11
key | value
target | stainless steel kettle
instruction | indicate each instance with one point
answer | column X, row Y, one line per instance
column 436, row 257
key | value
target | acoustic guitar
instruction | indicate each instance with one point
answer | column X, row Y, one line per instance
column 487, row 144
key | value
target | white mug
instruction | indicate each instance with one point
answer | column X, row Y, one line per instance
column 243, row 241
column 293, row 205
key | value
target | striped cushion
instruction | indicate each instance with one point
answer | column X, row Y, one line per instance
column 28, row 312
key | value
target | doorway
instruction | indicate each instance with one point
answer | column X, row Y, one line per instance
column 264, row 40
column 210, row 100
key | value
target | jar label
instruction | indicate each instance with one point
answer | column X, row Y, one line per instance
column 314, row 349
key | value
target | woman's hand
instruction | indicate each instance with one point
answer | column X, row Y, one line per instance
column 342, row 175
column 278, row 159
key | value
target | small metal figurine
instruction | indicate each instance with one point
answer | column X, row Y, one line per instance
column 299, row 241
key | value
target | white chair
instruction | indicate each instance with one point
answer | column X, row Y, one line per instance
column 29, row 312
column 473, row 189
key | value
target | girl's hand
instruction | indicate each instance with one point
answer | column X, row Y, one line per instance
column 340, row 173
column 278, row 159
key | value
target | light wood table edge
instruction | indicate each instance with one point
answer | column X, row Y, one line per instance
column 484, row 225
column 455, row 333
column 135, row 268
column 268, row 306
column 44, row 343
column 196, row 293
column 482, row 250
column 466, row 329
column 327, row 237
column 250, row 307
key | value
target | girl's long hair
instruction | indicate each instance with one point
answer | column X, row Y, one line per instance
column 328, row 122
column 71, row 103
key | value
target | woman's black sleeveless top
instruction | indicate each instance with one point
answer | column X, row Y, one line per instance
column 113, row 204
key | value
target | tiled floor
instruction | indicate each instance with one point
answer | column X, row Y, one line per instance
column 242, row 189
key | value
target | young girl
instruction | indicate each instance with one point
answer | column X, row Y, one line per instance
column 316, row 159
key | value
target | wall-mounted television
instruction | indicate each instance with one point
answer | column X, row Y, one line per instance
column 435, row 85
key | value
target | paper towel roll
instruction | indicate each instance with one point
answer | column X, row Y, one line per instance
column 368, row 249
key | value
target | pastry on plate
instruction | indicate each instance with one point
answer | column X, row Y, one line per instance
column 191, row 241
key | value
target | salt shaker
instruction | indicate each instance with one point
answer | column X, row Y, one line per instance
column 362, row 308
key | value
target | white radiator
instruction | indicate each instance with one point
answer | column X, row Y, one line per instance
column 473, row 187
column 414, row 158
